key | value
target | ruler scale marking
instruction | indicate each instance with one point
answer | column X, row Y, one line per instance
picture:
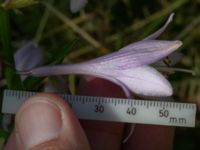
column 116, row 109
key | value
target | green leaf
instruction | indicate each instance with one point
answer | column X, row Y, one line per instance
column 12, row 79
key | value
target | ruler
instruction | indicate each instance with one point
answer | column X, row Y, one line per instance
column 116, row 109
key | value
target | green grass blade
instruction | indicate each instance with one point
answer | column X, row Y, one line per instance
column 58, row 58
column 12, row 79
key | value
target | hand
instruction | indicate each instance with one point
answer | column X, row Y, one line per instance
column 45, row 121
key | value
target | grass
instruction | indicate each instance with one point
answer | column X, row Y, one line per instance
column 13, row 80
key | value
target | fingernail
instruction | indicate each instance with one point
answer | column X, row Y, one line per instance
column 38, row 122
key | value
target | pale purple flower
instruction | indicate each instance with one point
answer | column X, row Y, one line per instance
column 76, row 5
column 128, row 67
column 28, row 57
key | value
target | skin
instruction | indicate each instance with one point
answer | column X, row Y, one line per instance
column 61, row 130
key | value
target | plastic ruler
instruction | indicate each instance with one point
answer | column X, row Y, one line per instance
column 116, row 109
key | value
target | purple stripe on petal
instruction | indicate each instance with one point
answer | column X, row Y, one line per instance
column 146, row 81
column 138, row 54
column 62, row 69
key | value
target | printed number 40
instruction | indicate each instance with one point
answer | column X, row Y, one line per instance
column 131, row 111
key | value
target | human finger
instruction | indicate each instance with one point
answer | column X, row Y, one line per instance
column 45, row 121
column 101, row 134
column 150, row 137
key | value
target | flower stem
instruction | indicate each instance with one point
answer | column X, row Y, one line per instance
column 172, row 70
column 41, row 27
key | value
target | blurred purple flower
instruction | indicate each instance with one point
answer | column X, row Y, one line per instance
column 28, row 57
column 127, row 67
column 76, row 5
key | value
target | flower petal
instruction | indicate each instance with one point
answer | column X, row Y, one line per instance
column 138, row 54
column 145, row 81
column 161, row 30
column 28, row 56
column 76, row 5
column 142, row 80
column 82, row 68
column 145, row 52
column 154, row 35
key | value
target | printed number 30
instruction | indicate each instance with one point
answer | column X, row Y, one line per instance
column 99, row 108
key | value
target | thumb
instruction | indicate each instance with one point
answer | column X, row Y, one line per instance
column 45, row 121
